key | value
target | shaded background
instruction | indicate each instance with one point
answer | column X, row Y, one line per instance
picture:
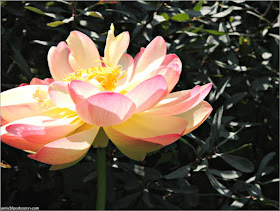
column 233, row 44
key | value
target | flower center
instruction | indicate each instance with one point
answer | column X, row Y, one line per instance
column 107, row 76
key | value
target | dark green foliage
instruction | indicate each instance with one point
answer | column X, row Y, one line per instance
column 229, row 162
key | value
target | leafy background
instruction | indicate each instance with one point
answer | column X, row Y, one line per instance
column 230, row 162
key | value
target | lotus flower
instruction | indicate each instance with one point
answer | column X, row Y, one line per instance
column 125, row 99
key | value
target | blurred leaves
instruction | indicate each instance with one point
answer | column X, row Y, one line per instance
column 229, row 162
column 240, row 163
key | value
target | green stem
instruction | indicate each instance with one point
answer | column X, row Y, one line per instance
column 101, row 179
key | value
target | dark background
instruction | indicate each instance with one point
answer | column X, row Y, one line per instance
column 233, row 44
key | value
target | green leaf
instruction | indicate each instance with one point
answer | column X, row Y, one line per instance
column 263, row 164
column 216, row 124
column 271, row 181
column 231, row 67
column 229, row 137
column 214, row 32
column 94, row 14
column 181, row 17
column 226, row 175
column 64, row 2
column 274, row 35
column 258, row 16
column 221, row 87
column 255, row 190
column 223, row 13
column 55, row 23
column 218, row 186
column 261, row 84
column 198, row 6
column 33, row 9
column 240, row 163
column 165, row 15
column 234, row 99
column 202, row 166
column 178, row 173
column 38, row 11
column 58, row 23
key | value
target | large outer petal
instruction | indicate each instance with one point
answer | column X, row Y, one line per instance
column 152, row 57
column 43, row 130
column 115, row 47
column 148, row 93
column 59, row 93
column 105, row 109
column 58, row 61
column 67, row 149
column 142, row 134
column 18, row 141
column 66, row 165
column 19, row 102
column 196, row 116
column 182, row 103
column 84, row 50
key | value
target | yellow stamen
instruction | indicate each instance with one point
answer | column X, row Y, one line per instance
column 40, row 96
column 106, row 76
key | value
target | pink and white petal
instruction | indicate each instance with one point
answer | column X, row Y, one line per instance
column 72, row 61
column 196, row 116
column 17, row 141
column 182, row 104
column 127, row 64
column 59, row 94
column 174, row 109
column 37, row 81
column 45, row 130
column 3, row 121
column 58, row 61
column 172, row 59
column 19, row 102
column 84, row 50
column 171, row 75
column 48, row 80
column 115, row 47
column 138, row 56
column 80, row 90
column 143, row 134
column 106, row 109
column 63, row 166
column 152, row 57
column 204, row 91
column 148, row 93
column 68, row 149
column 178, row 97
